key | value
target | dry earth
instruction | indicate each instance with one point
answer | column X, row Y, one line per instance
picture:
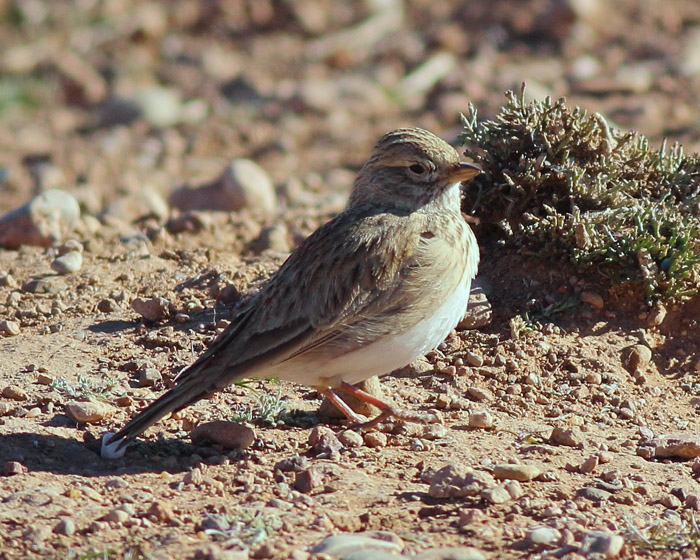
column 304, row 89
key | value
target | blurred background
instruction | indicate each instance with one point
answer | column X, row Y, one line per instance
column 106, row 98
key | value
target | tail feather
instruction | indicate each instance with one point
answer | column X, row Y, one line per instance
column 177, row 398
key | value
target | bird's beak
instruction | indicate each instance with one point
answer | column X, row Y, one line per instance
column 463, row 172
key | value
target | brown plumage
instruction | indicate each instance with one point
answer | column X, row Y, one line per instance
column 377, row 286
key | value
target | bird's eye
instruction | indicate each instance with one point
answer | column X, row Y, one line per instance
column 417, row 168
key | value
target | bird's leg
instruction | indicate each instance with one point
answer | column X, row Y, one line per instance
column 341, row 405
column 386, row 409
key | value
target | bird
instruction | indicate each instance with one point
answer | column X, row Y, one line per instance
column 379, row 285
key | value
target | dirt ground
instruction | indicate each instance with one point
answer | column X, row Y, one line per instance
column 121, row 104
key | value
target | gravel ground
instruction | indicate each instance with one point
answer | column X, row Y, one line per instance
column 158, row 160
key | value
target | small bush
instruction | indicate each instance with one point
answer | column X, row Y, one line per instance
column 565, row 183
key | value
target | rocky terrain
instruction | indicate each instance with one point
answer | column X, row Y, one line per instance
column 160, row 159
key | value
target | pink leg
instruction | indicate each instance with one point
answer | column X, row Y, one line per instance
column 387, row 410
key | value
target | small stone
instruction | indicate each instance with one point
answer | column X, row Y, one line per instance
column 15, row 393
column 9, row 328
column 589, row 465
column 44, row 379
column 376, row 439
column 479, row 313
column 152, row 309
column 434, row 431
column 69, row 263
column 569, row 436
column 308, row 479
column 636, row 357
column 149, row 377
column 593, row 299
column 350, row 438
column 474, row 360
column 670, row 501
column 145, row 203
column 479, row 394
column 43, row 221
column 107, row 305
column 273, row 238
column 327, row 443
column 481, row 419
column 65, row 526
column 543, row 535
column 231, row 435
column 194, row 477
column 88, row 412
column 457, row 481
column 116, row 515
column 522, row 473
column 161, row 510
column 12, row 468
column 249, row 186
column 449, row 553
column 679, row 446
column 602, row 543
column 656, row 316
column 340, row 546
column 514, row 488
column 496, row 495
column 595, row 494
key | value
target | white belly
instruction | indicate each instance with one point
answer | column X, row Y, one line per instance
column 387, row 354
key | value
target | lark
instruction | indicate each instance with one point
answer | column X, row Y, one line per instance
column 379, row 285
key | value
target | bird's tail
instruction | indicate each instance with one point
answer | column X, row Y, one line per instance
column 180, row 396
column 199, row 380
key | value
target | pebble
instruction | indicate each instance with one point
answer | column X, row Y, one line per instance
column 474, row 360
column 434, row 431
column 589, row 465
column 636, row 357
column 593, row 299
column 595, row 494
column 152, row 309
column 496, row 495
column 42, row 221
column 458, row 481
column 68, row 263
column 15, row 393
column 514, row 488
column 161, row 510
column 138, row 206
column 149, row 377
column 248, row 186
column 231, row 435
column 678, row 445
column 308, row 479
column 194, row 477
column 601, row 543
column 327, row 443
column 350, row 438
column 479, row 313
column 479, row 394
column 375, row 439
column 451, row 553
column 65, row 526
column 342, row 545
column 569, row 436
column 543, row 535
column 522, row 473
column 88, row 412
column 481, row 419
column 117, row 515
column 12, row 468
column 9, row 328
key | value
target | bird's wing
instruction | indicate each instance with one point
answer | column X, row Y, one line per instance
column 347, row 271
